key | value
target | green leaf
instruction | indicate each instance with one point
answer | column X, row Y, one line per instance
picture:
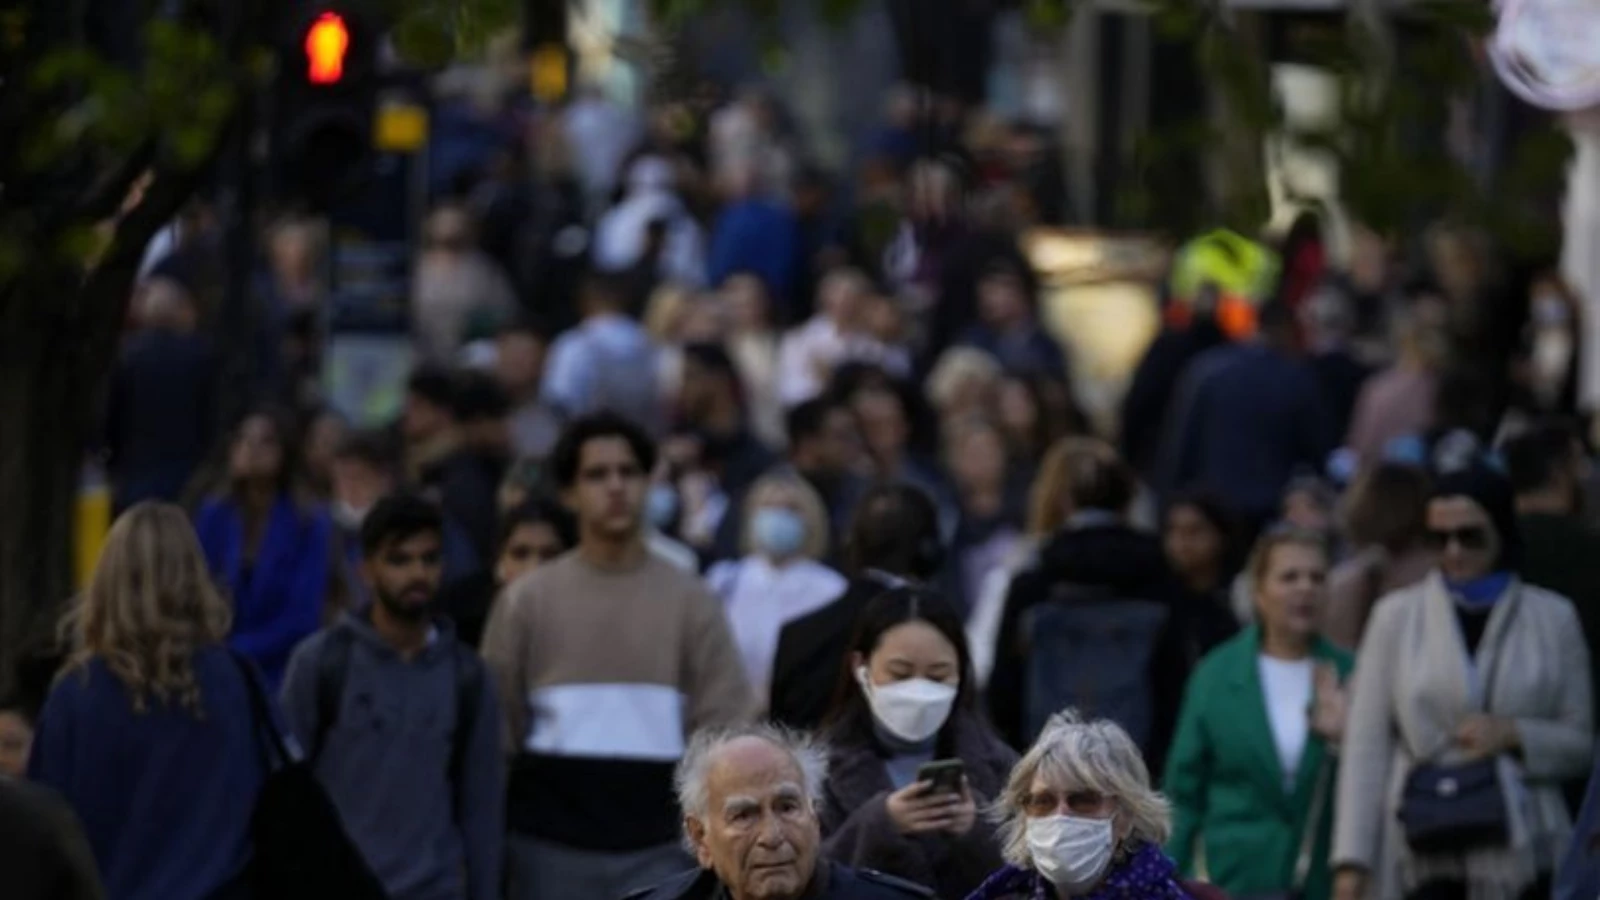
column 425, row 38
column 1048, row 15
column 81, row 244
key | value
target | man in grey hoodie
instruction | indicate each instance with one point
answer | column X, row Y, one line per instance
column 401, row 722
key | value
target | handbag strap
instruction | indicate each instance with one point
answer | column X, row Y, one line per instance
column 1486, row 688
column 1313, row 826
column 274, row 751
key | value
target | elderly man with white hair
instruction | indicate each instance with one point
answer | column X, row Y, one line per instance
column 749, row 797
column 1080, row 820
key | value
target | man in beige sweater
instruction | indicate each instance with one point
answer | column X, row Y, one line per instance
column 607, row 660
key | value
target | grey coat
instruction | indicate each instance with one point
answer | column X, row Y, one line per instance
column 857, row 830
column 1413, row 685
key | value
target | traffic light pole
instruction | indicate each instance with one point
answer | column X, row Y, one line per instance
column 238, row 309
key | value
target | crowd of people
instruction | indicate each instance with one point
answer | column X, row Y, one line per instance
column 741, row 535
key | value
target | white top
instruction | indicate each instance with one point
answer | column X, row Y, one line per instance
column 1286, row 687
column 759, row 599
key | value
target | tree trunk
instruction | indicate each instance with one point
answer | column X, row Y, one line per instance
column 60, row 321
column 49, row 389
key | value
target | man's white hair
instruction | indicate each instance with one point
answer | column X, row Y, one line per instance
column 810, row 757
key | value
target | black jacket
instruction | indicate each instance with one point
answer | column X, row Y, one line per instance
column 43, row 851
column 1131, row 565
column 811, row 650
column 837, row 883
column 855, row 815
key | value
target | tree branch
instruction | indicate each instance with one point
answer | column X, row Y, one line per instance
column 108, row 286
column 106, row 197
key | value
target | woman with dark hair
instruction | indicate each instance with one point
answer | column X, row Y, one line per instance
column 1034, row 412
column 1201, row 544
column 1471, row 710
column 533, row 533
column 906, row 705
column 267, row 548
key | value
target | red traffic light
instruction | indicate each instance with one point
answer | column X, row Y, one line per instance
column 327, row 43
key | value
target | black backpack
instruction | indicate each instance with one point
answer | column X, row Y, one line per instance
column 301, row 849
column 334, row 663
column 1092, row 650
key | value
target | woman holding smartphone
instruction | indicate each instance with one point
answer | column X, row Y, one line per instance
column 912, row 761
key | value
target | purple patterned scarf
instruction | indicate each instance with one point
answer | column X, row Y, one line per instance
column 1146, row 874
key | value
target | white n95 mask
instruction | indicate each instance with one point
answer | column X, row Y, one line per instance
column 1069, row 851
column 912, row 710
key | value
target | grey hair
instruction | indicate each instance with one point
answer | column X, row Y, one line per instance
column 1074, row 754
column 690, row 778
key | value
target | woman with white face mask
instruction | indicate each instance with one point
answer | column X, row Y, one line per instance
column 1080, row 820
column 780, row 578
column 911, row 760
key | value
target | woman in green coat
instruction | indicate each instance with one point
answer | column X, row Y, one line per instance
column 1252, row 763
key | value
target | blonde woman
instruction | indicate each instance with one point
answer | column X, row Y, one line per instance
column 148, row 732
column 1080, row 819
column 780, row 577
column 1270, row 695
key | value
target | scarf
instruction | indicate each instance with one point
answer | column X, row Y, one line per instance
column 1480, row 593
column 1144, row 874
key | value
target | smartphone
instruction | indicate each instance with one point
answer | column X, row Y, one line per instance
column 945, row 774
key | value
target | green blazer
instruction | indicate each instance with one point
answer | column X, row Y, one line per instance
column 1226, row 784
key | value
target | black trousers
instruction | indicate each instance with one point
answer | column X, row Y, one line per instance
column 1457, row 890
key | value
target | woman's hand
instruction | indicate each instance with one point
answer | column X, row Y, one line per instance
column 1483, row 736
column 1350, row 884
column 964, row 814
column 1330, row 705
column 915, row 810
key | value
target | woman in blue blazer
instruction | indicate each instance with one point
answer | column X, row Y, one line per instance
column 1252, row 764
column 267, row 548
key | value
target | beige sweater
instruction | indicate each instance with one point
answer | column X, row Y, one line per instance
column 613, row 664
column 1412, row 689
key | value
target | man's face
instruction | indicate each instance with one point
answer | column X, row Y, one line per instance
column 404, row 575
column 760, row 832
column 609, row 490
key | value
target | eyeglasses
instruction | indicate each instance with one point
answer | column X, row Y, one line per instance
column 1082, row 803
column 1473, row 538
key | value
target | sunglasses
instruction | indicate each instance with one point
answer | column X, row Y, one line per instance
column 1473, row 538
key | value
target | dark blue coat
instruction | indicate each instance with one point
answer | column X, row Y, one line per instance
column 840, row 883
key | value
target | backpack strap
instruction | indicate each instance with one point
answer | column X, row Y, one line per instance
column 469, row 672
column 332, row 665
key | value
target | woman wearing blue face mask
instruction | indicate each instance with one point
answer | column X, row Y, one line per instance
column 1080, row 820
column 1470, row 707
column 779, row 578
column 912, row 761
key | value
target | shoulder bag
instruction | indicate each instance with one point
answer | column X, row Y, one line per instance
column 1451, row 808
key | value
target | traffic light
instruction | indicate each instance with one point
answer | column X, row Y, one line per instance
column 327, row 45
column 328, row 89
